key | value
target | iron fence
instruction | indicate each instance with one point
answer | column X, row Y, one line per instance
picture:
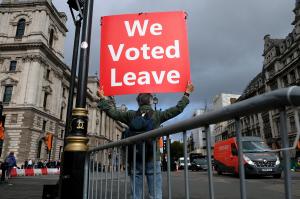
column 103, row 175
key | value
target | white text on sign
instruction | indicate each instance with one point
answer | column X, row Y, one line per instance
column 145, row 52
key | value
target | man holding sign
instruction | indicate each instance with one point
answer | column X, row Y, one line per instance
column 144, row 53
column 154, row 119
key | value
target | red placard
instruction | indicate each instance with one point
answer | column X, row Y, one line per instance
column 145, row 52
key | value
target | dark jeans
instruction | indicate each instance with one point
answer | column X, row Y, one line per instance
column 150, row 180
column 3, row 174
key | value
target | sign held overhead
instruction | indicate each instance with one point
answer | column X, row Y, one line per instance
column 145, row 52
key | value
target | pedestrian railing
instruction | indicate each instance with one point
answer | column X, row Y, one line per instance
column 103, row 177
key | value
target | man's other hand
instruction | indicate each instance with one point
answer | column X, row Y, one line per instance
column 189, row 88
column 100, row 93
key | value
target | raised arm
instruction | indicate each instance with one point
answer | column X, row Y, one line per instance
column 111, row 111
column 176, row 110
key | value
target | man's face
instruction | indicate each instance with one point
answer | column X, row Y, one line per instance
column 151, row 101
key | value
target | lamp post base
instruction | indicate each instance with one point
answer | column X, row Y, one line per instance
column 72, row 175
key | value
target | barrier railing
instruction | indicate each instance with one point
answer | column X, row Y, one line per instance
column 106, row 160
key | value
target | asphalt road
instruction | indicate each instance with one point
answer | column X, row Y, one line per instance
column 226, row 187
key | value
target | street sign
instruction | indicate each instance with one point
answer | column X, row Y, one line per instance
column 145, row 52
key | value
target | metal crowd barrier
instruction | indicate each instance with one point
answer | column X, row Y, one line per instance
column 97, row 168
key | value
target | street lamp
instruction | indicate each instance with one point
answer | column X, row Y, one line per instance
column 76, row 4
column 75, row 151
column 123, row 108
column 73, row 5
column 155, row 101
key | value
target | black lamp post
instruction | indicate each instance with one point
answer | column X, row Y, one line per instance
column 75, row 150
column 77, row 23
column 155, row 101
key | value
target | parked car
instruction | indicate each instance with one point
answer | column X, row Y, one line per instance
column 199, row 164
column 258, row 159
column 181, row 163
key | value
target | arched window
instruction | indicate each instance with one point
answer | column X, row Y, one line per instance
column 20, row 28
column 51, row 38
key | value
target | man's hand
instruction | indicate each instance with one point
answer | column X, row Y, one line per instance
column 100, row 93
column 189, row 88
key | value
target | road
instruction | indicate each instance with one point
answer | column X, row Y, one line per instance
column 226, row 187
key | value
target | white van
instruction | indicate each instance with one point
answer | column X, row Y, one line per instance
column 181, row 163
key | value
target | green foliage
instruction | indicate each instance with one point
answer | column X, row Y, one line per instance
column 176, row 150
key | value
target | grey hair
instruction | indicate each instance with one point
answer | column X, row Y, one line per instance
column 144, row 99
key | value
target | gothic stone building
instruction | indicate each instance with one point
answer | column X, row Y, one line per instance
column 281, row 68
column 35, row 81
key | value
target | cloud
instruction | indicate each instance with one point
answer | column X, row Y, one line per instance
column 225, row 40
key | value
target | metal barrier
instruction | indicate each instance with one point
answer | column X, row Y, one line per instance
column 97, row 166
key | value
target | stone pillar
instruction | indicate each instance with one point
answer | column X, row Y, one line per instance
column 103, row 116
column 33, row 84
column 107, row 126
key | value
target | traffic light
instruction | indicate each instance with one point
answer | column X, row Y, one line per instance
column 164, row 146
column 48, row 141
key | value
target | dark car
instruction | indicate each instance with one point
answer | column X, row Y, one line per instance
column 199, row 164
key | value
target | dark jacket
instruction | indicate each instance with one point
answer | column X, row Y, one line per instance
column 158, row 117
column 11, row 161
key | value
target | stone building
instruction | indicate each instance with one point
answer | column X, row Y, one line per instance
column 198, row 136
column 281, row 68
column 220, row 101
column 35, row 82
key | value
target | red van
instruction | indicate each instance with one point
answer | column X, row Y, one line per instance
column 258, row 160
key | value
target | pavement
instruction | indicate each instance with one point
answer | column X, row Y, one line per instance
column 225, row 186
column 26, row 187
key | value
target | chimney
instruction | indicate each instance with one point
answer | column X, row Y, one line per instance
column 297, row 3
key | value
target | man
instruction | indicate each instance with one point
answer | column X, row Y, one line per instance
column 11, row 163
column 145, row 100
column 3, row 168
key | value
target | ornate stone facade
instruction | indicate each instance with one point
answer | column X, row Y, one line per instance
column 35, row 81
column 281, row 68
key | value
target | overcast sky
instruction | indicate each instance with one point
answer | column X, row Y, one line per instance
column 225, row 41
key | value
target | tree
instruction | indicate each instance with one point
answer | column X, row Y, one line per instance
column 176, row 150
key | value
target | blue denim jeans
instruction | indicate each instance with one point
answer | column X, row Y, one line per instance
column 150, row 180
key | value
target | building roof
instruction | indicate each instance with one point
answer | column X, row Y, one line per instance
column 253, row 86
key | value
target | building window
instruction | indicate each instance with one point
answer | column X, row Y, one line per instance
column 292, row 124
column 51, row 38
column 38, row 121
column 61, row 112
column 45, row 100
column 44, row 126
column 20, row 28
column 38, row 155
column 64, row 92
column 14, row 118
column 293, row 76
column 7, row 94
column 60, row 152
column 273, row 85
column 285, row 82
column 271, row 72
column 62, row 133
column 48, row 74
column 51, row 126
column 13, row 66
